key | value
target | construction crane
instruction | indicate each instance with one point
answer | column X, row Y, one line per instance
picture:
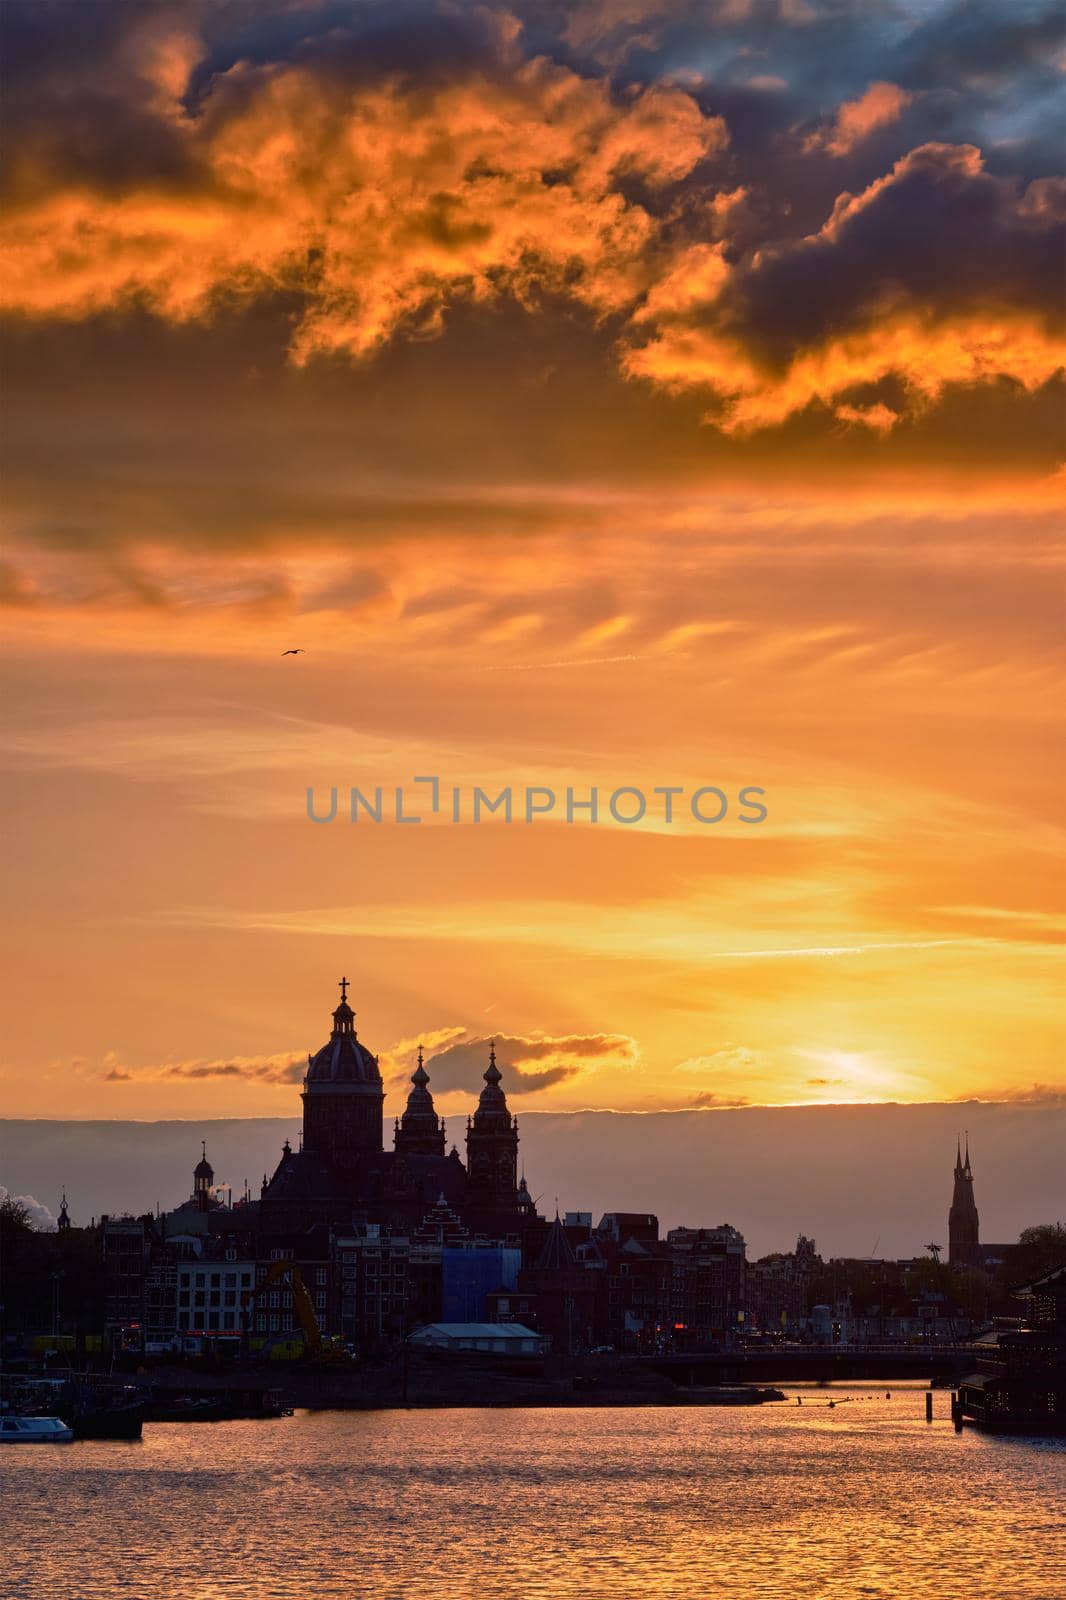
column 301, row 1300
column 934, row 1250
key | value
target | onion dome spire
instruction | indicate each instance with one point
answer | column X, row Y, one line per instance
column 420, row 1131
column 492, row 1147
column 492, row 1103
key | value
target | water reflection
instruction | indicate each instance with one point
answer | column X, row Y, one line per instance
column 863, row 1498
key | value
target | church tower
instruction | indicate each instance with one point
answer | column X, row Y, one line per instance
column 963, row 1245
column 343, row 1096
column 492, row 1147
column 203, row 1178
column 420, row 1132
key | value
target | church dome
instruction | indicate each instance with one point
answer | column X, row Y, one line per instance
column 343, row 1059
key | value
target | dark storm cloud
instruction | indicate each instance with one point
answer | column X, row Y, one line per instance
column 79, row 103
column 938, row 229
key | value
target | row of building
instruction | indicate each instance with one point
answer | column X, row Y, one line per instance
column 350, row 1242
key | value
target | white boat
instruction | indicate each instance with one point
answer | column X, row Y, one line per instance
column 34, row 1430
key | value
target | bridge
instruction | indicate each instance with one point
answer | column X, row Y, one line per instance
column 820, row 1364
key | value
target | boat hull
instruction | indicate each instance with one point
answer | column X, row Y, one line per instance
column 119, row 1424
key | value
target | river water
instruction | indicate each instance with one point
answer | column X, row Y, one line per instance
column 859, row 1499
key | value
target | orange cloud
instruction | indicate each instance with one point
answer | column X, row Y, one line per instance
column 379, row 207
column 823, row 318
column 285, row 1068
column 530, row 1063
column 913, row 348
column 881, row 105
column 880, row 418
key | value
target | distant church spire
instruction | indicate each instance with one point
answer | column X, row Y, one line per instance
column 964, row 1247
column 203, row 1177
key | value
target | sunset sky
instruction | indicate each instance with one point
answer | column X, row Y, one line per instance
column 599, row 394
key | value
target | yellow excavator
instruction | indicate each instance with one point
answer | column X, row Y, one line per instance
column 301, row 1300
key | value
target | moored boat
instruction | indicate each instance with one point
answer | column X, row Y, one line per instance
column 34, row 1430
column 232, row 1404
column 1024, row 1388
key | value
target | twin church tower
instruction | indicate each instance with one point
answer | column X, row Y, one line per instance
column 342, row 1173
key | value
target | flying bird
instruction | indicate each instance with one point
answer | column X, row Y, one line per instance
column 294, row 652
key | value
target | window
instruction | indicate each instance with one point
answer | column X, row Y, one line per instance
column 274, row 1323
column 230, row 1297
column 230, row 1280
column 199, row 1280
column 261, row 1322
column 320, row 1275
column 320, row 1300
column 246, row 1280
column 215, row 1278
column 183, row 1298
column 286, row 1322
column 273, row 1299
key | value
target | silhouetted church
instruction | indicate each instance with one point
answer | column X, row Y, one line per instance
column 964, row 1245
column 343, row 1176
column 963, row 1227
